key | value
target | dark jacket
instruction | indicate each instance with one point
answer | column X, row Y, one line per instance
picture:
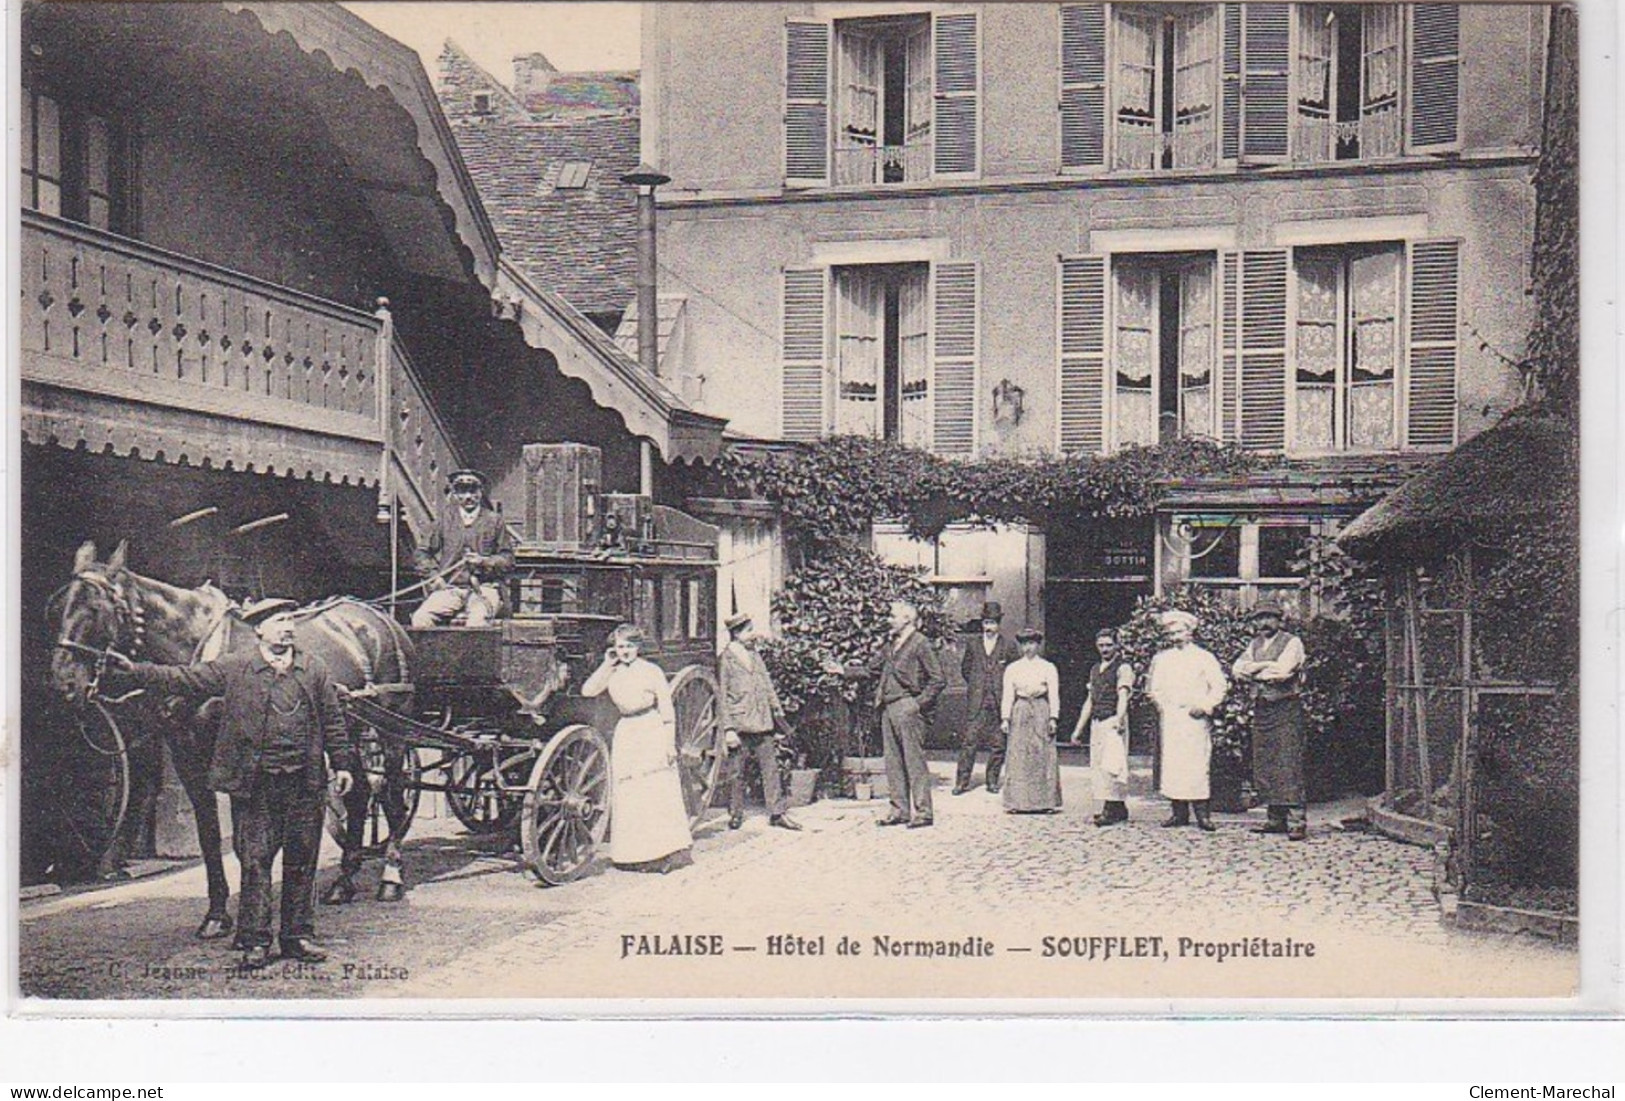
column 984, row 674
column 243, row 681
column 912, row 667
column 486, row 536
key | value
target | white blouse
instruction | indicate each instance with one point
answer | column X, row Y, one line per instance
column 634, row 688
column 1026, row 678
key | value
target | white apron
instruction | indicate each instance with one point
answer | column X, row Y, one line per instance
column 1180, row 680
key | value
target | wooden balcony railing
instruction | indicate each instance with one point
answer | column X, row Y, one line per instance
column 146, row 342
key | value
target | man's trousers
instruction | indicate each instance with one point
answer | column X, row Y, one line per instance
column 902, row 734
column 282, row 813
column 765, row 750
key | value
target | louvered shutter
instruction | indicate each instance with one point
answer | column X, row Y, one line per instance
column 1083, row 85
column 1435, row 99
column 803, row 372
column 1083, row 354
column 956, row 122
column 1434, row 343
column 806, row 103
column 1229, row 346
column 954, row 343
column 1230, row 83
column 1266, row 82
column 1263, row 349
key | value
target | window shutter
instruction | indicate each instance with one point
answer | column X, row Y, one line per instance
column 1433, row 310
column 955, row 338
column 1435, row 78
column 804, row 351
column 806, row 103
column 1083, row 85
column 1230, row 79
column 956, row 126
column 1263, row 349
column 1229, row 385
column 1083, row 354
column 1266, row 52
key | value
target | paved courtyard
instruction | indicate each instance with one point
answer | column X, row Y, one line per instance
column 984, row 904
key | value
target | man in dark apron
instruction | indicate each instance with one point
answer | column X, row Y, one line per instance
column 1273, row 665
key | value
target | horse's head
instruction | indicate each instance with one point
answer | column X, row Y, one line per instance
column 93, row 611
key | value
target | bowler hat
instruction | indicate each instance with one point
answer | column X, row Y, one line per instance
column 736, row 621
column 1029, row 634
column 1267, row 607
column 991, row 610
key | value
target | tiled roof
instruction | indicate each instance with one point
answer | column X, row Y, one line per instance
column 580, row 242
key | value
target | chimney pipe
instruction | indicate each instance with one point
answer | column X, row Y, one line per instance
column 646, row 179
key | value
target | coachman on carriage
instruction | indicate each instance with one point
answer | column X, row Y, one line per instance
column 489, row 716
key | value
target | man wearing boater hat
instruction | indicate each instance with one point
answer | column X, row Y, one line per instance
column 466, row 555
column 983, row 665
column 750, row 711
column 1273, row 665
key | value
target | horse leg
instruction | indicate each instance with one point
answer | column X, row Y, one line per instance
column 391, row 885
column 356, row 801
column 191, row 756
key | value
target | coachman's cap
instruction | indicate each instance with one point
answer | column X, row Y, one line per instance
column 737, row 620
column 1029, row 634
column 467, row 479
column 1268, row 607
column 991, row 610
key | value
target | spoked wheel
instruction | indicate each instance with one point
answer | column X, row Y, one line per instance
column 374, row 766
column 475, row 796
column 566, row 810
column 95, row 797
column 699, row 749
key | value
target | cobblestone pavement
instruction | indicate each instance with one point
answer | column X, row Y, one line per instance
column 1012, row 893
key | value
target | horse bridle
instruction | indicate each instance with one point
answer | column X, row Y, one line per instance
column 128, row 620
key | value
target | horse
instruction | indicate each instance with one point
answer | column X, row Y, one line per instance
column 107, row 606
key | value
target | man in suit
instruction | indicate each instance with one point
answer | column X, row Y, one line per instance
column 280, row 725
column 466, row 555
column 750, row 711
column 909, row 682
column 983, row 669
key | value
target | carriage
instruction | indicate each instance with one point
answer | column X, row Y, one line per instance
column 497, row 725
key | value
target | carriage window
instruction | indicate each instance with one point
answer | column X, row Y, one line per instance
column 671, row 609
column 549, row 596
column 647, row 607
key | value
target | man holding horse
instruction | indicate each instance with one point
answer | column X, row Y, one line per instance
column 281, row 724
column 465, row 557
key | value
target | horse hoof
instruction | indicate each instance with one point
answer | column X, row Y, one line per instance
column 340, row 893
column 390, row 892
column 213, row 928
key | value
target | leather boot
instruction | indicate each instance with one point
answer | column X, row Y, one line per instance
column 1203, row 821
column 1181, row 815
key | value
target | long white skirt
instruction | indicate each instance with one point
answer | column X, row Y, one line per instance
column 1187, row 754
column 647, row 819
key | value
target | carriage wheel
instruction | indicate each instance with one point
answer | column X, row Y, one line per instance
column 475, row 797
column 377, row 833
column 96, row 774
column 699, row 750
column 566, row 810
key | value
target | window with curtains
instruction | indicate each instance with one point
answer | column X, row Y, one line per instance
column 1242, row 560
column 1346, row 348
column 1305, row 350
column 882, row 358
column 882, row 99
column 1150, row 87
column 1164, row 86
column 76, row 163
column 1162, row 348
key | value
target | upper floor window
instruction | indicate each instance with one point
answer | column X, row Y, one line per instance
column 882, row 99
column 1305, row 350
column 884, row 349
column 75, row 164
column 1151, row 87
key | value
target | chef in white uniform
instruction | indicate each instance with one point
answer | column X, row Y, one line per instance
column 1187, row 684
